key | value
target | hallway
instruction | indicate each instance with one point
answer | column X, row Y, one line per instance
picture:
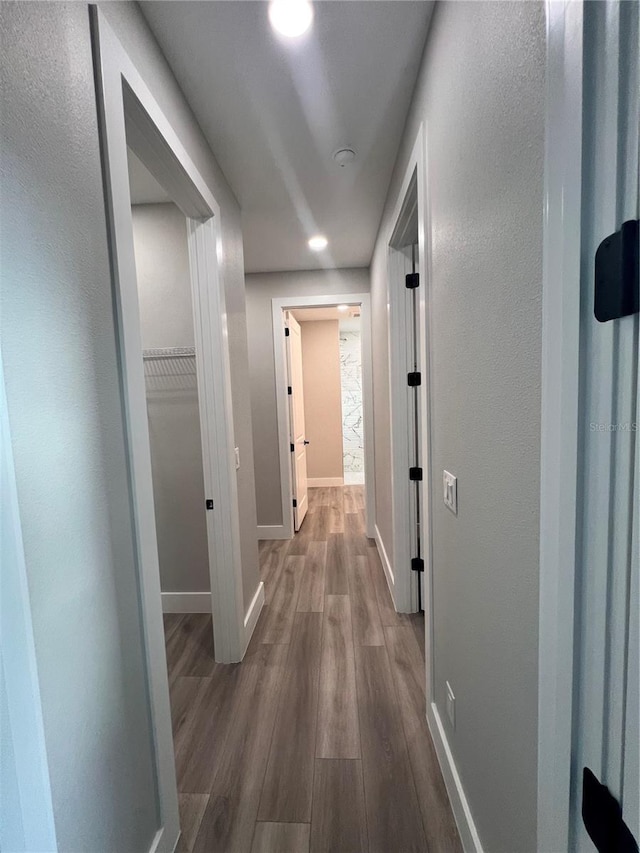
column 318, row 739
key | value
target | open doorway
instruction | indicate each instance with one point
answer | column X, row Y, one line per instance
column 130, row 118
column 173, row 404
column 326, row 413
column 323, row 389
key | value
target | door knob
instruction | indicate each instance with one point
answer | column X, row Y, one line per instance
column 306, row 442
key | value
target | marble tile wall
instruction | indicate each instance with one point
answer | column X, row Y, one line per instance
column 352, row 418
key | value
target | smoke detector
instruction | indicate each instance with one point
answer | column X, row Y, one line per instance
column 344, row 156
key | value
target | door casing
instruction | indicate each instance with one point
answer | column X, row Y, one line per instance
column 278, row 306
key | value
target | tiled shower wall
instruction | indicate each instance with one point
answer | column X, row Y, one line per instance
column 351, row 381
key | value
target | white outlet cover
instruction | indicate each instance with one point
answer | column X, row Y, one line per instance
column 450, row 491
column 451, row 705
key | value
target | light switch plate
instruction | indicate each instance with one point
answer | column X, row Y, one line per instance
column 451, row 706
column 237, row 449
column 450, row 487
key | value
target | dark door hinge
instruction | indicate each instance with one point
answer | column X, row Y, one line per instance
column 415, row 473
column 412, row 280
column 292, row 447
column 209, row 503
column 602, row 818
column 414, row 379
column 286, row 332
column 417, row 564
column 295, row 503
column 617, row 272
column 289, row 390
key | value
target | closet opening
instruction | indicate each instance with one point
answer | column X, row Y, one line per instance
column 167, row 330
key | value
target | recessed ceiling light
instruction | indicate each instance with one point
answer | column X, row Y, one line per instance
column 318, row 243
column 343, row 307
column 290, row 18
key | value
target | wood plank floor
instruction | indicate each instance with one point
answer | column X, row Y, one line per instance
column 318, row 740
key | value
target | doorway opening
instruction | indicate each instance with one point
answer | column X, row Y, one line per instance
column 324, row 385
column 324, row 401
column 174, row 410
column 130, row 118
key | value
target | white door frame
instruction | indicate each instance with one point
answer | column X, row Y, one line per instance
column 278, row 306
column 129, row 114
column 405, row 582
column 560, row 427
column 559, row 413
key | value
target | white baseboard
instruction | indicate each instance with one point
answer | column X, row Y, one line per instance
column 253, row 614
column 272, row 531
column 323, row 482
column 462, row 813
column 384, row 559
column 186, row 602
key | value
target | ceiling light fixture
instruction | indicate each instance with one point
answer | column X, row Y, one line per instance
column 318, row 243
column 290, row 18
column 343, row 307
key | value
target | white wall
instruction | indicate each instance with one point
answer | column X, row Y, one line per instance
column 131, row 28
column 261, row 288
column 65, row 412
column 166, row 320
column 480, row 93
column 64, row 402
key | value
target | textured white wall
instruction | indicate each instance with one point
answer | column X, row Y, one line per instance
column 64, row 402
column 481, row 93
column 131, row 28
column 166, row 320
column 261, row 288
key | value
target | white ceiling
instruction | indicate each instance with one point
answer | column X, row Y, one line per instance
column 275, row 111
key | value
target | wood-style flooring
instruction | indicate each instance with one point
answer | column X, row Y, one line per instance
column 318, row 740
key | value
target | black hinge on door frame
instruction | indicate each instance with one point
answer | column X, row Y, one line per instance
column 417, row 564
column 292, row 447
column 412, row 280
column 617, row 274
column 289, row 390
column 286, row 331
column 295, row 503
column 415, row 473
column 602, row 818
column 209, row 503
column 414, row 379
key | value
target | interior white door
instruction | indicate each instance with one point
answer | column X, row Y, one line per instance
column 296, row 420
column 605, row 709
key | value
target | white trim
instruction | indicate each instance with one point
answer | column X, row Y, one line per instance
column 186, row 602
column 559, row 424
column 384, row 559
column 321, row 482
column 405, row 590
column 129, row 114
column 278, row 306
column 253, row 614
column 459, row 804
column 272, row 531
